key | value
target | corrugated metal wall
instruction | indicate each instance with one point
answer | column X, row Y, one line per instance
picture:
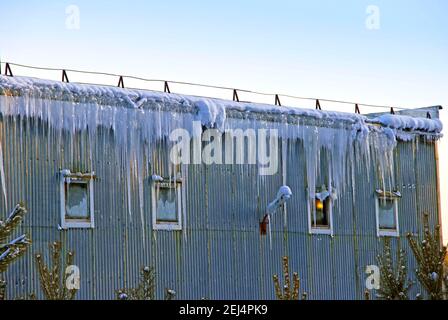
column 220, row 254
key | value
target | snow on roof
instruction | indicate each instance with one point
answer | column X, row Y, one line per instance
column 211, row 112
column 409, row 123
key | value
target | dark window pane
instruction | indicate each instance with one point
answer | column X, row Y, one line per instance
column 166, row 204
column 77, row 201
column 386, row 214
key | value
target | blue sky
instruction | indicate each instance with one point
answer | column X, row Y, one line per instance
column 314, row 48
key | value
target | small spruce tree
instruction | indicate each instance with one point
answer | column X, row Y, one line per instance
column 288, row 292
column 393, row 278
column 54, row 286
column 430, row 255
column 145, row 289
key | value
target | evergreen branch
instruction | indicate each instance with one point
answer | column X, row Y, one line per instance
column 2, row 289
column 430, row 255
column 50, row 281
column 11, row 223
column 394, row 285
column 288, row 293
column 13, row 250
column 145, row 290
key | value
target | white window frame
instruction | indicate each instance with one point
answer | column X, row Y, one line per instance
column 320, row 230
column 392, row 196
column 167, row 225
column 67, row 223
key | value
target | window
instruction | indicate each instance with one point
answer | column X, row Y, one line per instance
column 387, row 213
column 321, row 209
column 77, row 208
column 167, row 203
column 321, row 219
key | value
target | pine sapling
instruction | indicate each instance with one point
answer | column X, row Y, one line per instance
column 288, row 292
column 430, row 255
column 145, row 289
column 394, row 284
column 54, row 286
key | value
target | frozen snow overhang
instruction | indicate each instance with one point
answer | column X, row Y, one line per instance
column 388, row 194
column 420, row 121
column 214, row 112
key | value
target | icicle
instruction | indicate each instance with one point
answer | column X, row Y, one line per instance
column 2, row 174
column 284, row 174
column 184, row 203
column 141, row 197
column 270, row 232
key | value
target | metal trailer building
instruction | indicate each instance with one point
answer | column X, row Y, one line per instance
column 88, row 162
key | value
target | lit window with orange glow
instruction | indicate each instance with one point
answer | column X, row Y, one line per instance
column 321, row 219
column 321, row 207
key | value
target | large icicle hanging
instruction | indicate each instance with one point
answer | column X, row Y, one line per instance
column 2, row 174
column 138, row 119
